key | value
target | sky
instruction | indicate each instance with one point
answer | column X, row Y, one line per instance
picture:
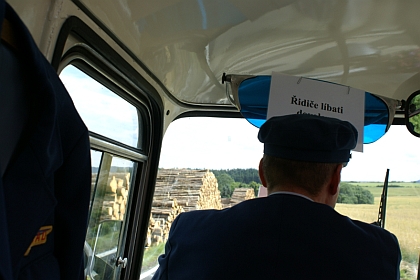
column 220, row 143
column 102, row 110
column 216, row 143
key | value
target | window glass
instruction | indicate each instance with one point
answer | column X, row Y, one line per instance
column 107, row 114
column 230, row 150
column 103, row 111
column 108, row 213
column 366, row 171
column 96, row 157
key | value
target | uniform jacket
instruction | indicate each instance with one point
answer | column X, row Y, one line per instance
column 282, row 236
column 44, row 194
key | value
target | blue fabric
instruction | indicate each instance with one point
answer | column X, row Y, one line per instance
column 278, row 237
column 47, row 181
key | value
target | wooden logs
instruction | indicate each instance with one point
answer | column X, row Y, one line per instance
column 112, row 188
column 238, row 195
column 116, row 196
column 241, row 194
column 209, row 193
column 179, row 190
column 193, row 189
column 160, row 223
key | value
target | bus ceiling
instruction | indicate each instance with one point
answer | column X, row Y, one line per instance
column 184, row 46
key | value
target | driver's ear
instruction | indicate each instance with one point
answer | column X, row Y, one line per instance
column 261, row 174
column 335, row 180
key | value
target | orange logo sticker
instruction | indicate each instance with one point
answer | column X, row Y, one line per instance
column 40, row 238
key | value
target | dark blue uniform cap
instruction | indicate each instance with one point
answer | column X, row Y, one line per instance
column 308, row 138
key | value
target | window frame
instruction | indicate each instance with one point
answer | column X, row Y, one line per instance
column 87, row 49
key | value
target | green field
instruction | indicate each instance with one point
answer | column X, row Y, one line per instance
column 402, row 218
column 151, row 255
column 404, row 189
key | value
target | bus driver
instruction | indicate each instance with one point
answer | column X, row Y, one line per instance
column 294, row 233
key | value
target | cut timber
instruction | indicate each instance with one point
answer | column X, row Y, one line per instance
column 115, row 197
column 162, row 220
column 193, row 189
column 241, row 194
column 177, row 191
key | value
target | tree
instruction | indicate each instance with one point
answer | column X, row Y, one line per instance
column 346, row 194
column 255, row 186
column 350, row 194
column 225, row 182
column 240, row 175
column 225, row 191
column 366, row 197
column 414, row 121
column 229, row 180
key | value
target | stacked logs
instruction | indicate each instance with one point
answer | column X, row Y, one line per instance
column 177, row 191
column 159, row 226
column 226, row 202
column 241, row 194
column 116, row 195
column 193, row 189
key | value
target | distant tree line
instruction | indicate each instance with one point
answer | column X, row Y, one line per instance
column 390, row 186
column 230, row 179
column 240, row 175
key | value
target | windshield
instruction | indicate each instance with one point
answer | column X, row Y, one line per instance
column 229, row 149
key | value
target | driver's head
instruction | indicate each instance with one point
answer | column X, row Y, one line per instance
column 304, row 150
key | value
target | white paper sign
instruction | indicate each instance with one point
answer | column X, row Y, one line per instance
column 298, row 95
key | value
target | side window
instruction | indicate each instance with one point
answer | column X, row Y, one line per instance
column 114, row 125
column 108, row 212
column 103, row 111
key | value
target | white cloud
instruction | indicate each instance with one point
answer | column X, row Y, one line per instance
column 217, row 143
column 220, row 143
column 103, row 111
column 212, row 143
column 396, row 150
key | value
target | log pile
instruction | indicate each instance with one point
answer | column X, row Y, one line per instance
column 177, row 191
column 193, row 190
column 226, row 202
column 241, row 194
column 116, row 196
column 160, row 224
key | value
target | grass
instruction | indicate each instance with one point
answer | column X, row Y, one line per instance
column 406, row 189
column 402, row 219
column 374, row 184
column 151, row 255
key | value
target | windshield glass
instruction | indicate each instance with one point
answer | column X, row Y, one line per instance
column 229, row 150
